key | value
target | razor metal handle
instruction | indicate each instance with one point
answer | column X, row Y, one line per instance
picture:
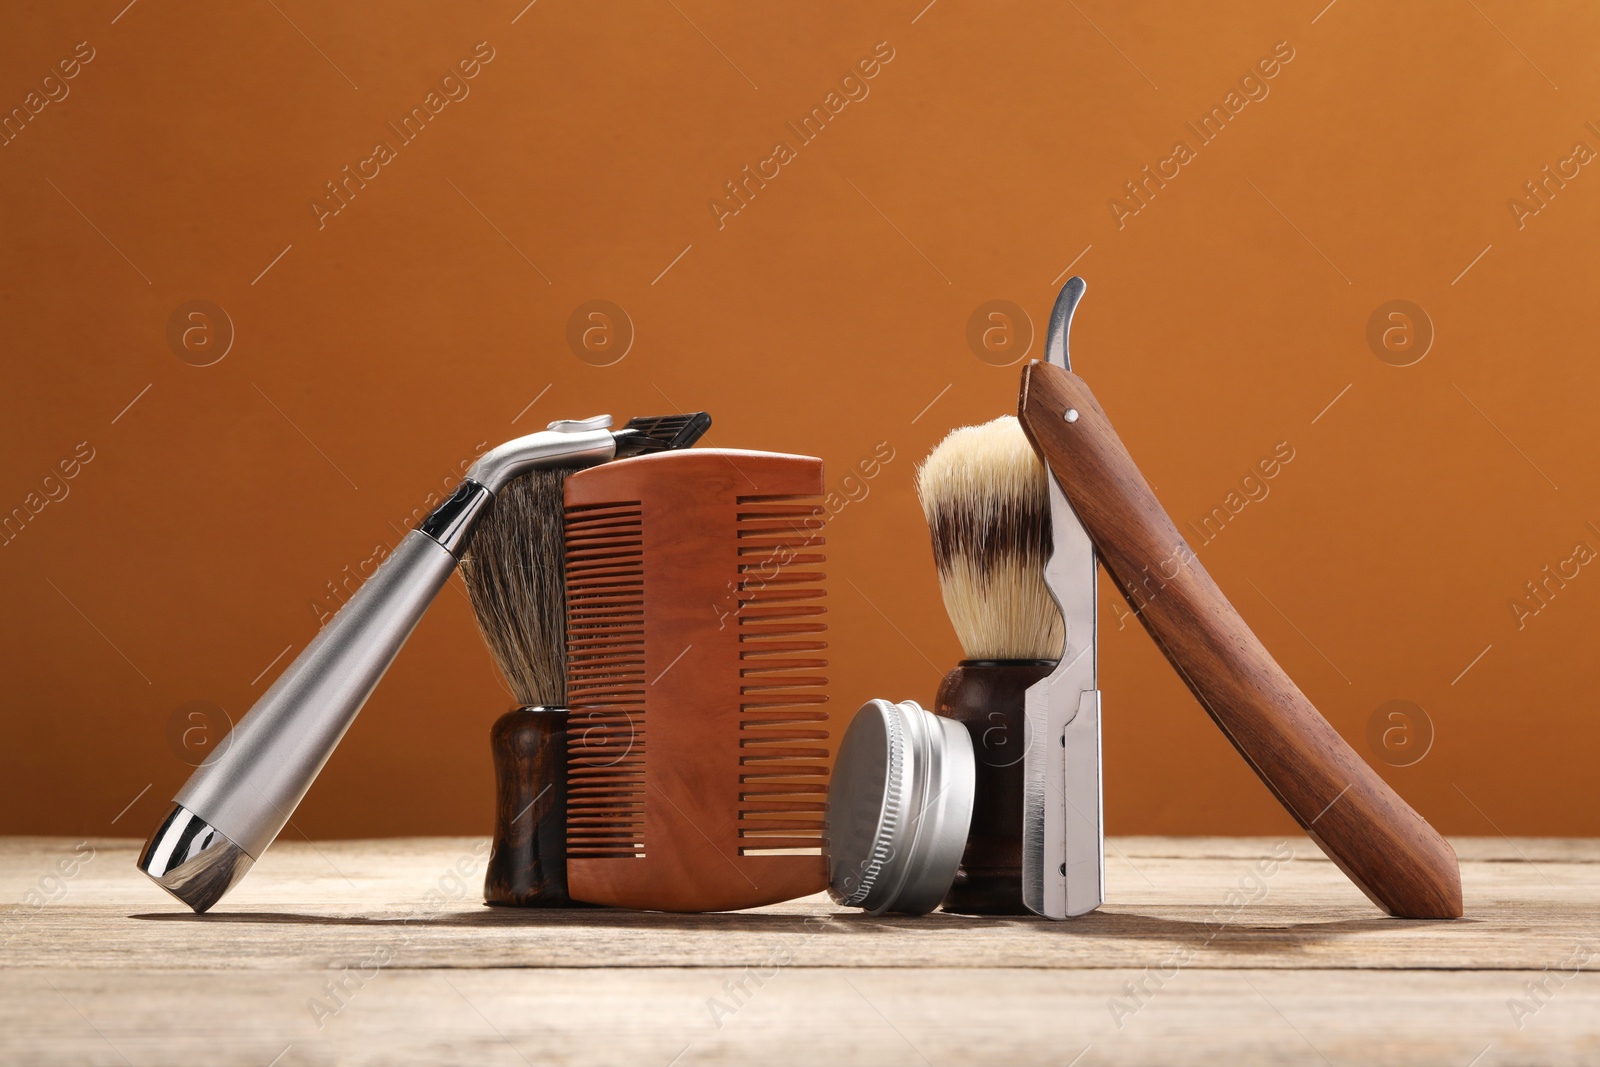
column 238, row 800
column 271, row 758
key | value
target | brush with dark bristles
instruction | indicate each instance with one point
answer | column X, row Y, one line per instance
column 984, row 494
column 515, row 575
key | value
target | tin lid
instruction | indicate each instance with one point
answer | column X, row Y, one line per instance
column 899, row 808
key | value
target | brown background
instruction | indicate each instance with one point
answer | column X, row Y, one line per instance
column 830, row 314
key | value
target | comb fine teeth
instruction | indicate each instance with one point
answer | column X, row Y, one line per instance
column 699, row 739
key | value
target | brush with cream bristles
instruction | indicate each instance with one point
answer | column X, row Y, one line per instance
column 984, row 494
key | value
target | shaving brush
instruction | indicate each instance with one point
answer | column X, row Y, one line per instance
column 984, row 494
column 514, row 572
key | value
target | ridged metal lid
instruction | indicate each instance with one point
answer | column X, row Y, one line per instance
column 899, row 807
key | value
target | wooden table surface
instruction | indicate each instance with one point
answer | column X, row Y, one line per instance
column 1211, row 951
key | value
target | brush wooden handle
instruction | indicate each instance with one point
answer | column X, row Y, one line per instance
column 987, row 697
column 528, row 862
column 1384, row 846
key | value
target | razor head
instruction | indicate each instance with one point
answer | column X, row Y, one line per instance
column 661, row 433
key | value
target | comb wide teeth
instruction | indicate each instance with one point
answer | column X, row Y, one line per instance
column 783, row 779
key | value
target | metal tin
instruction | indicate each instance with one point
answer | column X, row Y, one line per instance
column 899, row 808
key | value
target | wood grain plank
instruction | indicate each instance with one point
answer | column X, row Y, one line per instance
column 869, row 1016
column 330, row 905
column 381, row 952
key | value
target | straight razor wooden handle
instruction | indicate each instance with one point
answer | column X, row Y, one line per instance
column 1386, row 848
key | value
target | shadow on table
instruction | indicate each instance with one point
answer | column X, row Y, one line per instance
column 1253, row 936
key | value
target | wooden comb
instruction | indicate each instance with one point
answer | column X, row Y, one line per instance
column 698, row 745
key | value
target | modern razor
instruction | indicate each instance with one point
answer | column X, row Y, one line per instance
column 238, row 800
